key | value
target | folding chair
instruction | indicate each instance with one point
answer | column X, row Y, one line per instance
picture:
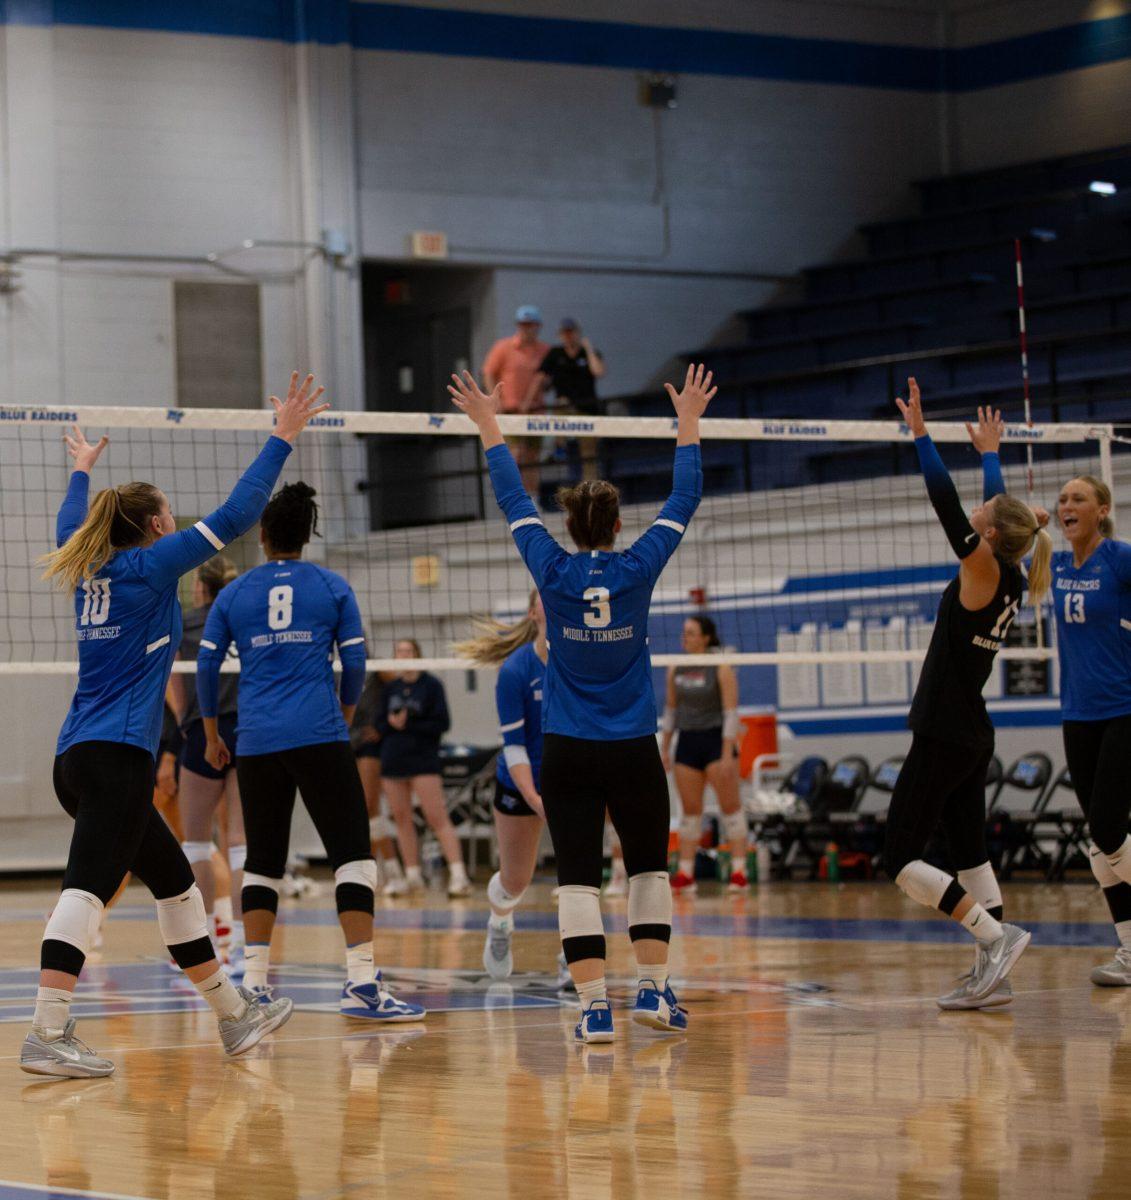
column 468, row 775
column 804, row 782
column 833, row 808
column 1019, row 799
column 1064, row 820
column 870, row 815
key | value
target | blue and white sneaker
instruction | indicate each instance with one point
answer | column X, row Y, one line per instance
column 658, row 1010
column 370, row 1002
column 596, row 1024
column 264, row 994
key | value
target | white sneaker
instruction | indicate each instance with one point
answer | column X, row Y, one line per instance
column 962, row 997
column 1116, row 973
column 459, row 885
column 498, row 961
column 396, row 887
column 997, row 961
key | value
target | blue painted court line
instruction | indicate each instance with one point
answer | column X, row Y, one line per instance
column 31, row 1191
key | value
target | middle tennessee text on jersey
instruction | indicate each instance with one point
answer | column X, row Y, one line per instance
column 599, row 674
column 518, row 698
column 285, row 618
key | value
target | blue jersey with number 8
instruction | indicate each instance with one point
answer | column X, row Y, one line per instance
column 1093, row 631
column 598, row 681
column 285, row 618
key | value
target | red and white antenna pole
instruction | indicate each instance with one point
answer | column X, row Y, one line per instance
column 1024, row 364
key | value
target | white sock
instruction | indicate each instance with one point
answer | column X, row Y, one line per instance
column 393, row 868
column 1123, row 932
column 52, row 1009
column 737, row 832
column 618, row 871
column 237, row 934
column 657, row 973
column 457, row 871
column 359, row 963
column 224, row 909
column 414, row 877
column 984, row 927
column 689, row 830
column 257, row 959
column 222, row 997
column 588, row 992
column 1120, row 861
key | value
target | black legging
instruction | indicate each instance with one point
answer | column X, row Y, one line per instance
column 1099, row 759
column 581, row 779
column 939, row 781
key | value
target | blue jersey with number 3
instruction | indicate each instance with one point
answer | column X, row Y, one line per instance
column 1093, row 631
column 285, row 618
column 599, row 674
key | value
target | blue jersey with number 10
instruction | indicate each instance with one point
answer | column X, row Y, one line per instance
column 1092, row 603
column 285, row 618
column 599, row 673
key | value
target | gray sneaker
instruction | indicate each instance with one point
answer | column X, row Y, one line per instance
column 498, row 961
column 1116, row 973
column 64, row 1055
column 997, row 960
column 962, row 995
column 256, row 1021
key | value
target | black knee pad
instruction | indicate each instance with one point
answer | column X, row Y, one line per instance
column 354, row 897
column 192, row 954
column 259, row 898
column 60, row 956
column 657, row 933
column 588, row 946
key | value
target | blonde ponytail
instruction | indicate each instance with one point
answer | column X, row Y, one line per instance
column 116, row 520
column 495, row 642
column 1018, row 534
column 1040, row 567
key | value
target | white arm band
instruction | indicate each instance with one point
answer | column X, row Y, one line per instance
column 515, row 756
column 730, row 723
column 667, row 721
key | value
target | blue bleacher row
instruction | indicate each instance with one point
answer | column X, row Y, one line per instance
column 934, row 296
column 1033, row 819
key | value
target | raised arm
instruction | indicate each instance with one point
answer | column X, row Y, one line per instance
column 170, row 557
column 72, row 512
column 654, row 547
column 987, row 441
column 538, row 549
column 351, row 650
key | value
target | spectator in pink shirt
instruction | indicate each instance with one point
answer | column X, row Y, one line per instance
column 514, row 362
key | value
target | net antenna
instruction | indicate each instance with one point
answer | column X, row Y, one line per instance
column 1028, row 407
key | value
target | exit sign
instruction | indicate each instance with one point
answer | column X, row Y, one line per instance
column 429, row 244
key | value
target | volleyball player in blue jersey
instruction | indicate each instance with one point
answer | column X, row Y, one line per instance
column 123, row 557
column 521, row 649
column 285, row 617
column 1092, row 603
column 599, row 705
column 943, row 777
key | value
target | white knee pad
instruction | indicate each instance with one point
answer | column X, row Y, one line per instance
column 198, row 852
column 237, row 856
column 499, row 897
column 923, row 883
column 182, row 918
column 579, row 911
column 74, row 918
column 263, row 881
column 362, row 871
column 649, row 899
column 381, row 827
column 1101, row 868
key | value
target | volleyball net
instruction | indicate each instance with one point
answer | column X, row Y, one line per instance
column 815, row 549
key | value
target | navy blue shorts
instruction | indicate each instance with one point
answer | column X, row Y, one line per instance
column 367, row 750
column 407, row 764
column 698, row 748
column 509, row 801
column 192, row 751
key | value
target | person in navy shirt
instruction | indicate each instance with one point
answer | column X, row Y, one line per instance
column 599, row 706
column 521, row 650
column 285, row 617
column 1091, row 600
column 123, row 558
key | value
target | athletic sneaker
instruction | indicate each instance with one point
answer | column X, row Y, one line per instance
column 618, row 884
column 738, row 882
column 263, row 994
column 498, row 961
column 370, row 1002
column 961, row 997
column 397, row 886
column 658, row 1010
column 459, row 886
column 565, row 979
column 257, row 1020
column 1116, row 973
column 997, row 959
column 64, row 1056
column 683, row 884
column 596, row 1024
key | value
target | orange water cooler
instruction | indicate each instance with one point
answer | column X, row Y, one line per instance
column 759, row 736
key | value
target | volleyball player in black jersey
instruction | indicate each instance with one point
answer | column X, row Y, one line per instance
column 944, row 775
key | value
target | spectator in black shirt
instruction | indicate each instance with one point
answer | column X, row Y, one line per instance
column 572, row 370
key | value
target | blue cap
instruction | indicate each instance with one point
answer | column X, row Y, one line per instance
column 527, row 313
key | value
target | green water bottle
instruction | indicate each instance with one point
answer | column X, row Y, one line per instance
column 724, row 861
column 752, row 863
column 832, row 860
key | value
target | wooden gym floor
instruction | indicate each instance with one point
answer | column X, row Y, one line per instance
column 817, row 1064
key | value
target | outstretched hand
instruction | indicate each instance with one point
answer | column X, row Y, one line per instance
column 912, row 409
column 292, row 414
column 987, row 437
column 697, row 392
column 84, row 454
column 470, row 398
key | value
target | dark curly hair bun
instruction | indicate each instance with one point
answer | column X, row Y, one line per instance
column 290, row 519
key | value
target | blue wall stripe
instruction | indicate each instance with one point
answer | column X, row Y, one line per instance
column 462, row 33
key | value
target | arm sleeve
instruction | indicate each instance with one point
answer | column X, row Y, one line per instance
column 538, row 549
column 435, row 720
column 992, row 482
column 170, row 557
column 511, row 710
column 72, row 512
column 944, row 498
column 351, row 648
column 655, row 546
column 214, row 643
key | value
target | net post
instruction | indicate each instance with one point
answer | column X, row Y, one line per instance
column 1104, row 435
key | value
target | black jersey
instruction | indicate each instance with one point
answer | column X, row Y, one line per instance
column 948, row 702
